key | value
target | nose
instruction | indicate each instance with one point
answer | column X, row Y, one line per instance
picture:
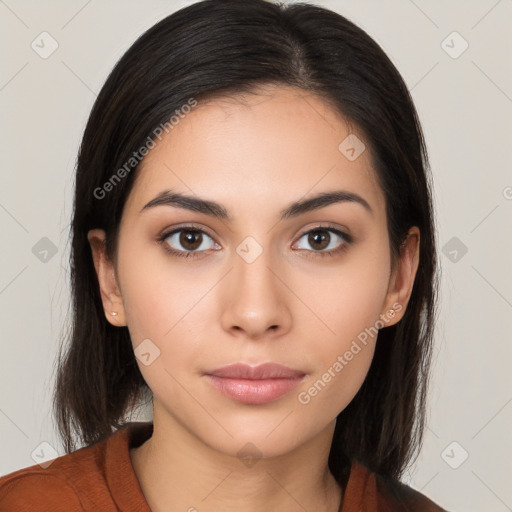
column 256, row 299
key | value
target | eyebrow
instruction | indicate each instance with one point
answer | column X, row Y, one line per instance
column 179, row 200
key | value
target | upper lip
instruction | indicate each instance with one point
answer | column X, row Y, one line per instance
column 262, row 371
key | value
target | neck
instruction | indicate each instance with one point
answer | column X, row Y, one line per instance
column 177, row 471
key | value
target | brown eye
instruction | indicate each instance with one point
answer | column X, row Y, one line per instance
column 325, row 241
column 186, row 241
column 319, row 239
column 190, row 240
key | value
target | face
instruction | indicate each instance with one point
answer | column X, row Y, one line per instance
column 307, row 289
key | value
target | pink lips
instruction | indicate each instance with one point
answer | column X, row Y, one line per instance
column 254, row 384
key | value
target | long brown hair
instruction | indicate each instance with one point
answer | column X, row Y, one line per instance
column 221, row 47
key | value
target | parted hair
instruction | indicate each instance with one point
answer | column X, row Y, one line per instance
column 219, row 48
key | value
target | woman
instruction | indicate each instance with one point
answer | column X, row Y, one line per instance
column 253, row 251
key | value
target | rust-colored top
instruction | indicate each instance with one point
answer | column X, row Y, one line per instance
column 101, row 478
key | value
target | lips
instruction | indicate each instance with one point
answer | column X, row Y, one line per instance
column 254, row 384
column 263, row 371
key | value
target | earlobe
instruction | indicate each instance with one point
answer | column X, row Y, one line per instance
column 402, row 280
column 105, row 273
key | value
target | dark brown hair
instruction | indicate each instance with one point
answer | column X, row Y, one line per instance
column 219, row 48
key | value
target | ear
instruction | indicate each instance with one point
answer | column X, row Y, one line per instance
column 402, row 278
column 109, row 289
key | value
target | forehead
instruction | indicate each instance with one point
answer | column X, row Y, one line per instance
column 270, row 147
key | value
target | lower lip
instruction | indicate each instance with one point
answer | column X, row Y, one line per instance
column 252, row 391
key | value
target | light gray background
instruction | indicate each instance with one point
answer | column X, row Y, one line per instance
column 465, row 106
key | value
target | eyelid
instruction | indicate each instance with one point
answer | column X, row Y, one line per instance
column 345, row 232
column 168, row 231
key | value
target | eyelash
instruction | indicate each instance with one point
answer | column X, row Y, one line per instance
column 193, row 254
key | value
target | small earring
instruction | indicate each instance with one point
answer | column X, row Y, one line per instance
column 113, row 313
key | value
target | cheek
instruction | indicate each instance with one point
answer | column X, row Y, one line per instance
column 166, row 307
column 349, row 305
column 349, row 299
column 327, row 393
column 342, row 355
column 156, row 296
column 168, row 315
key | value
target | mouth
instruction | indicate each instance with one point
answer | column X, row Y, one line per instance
column 254, row 384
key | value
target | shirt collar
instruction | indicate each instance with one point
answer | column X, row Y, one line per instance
column 121, row 478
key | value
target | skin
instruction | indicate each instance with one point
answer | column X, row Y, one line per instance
column 254, row 157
